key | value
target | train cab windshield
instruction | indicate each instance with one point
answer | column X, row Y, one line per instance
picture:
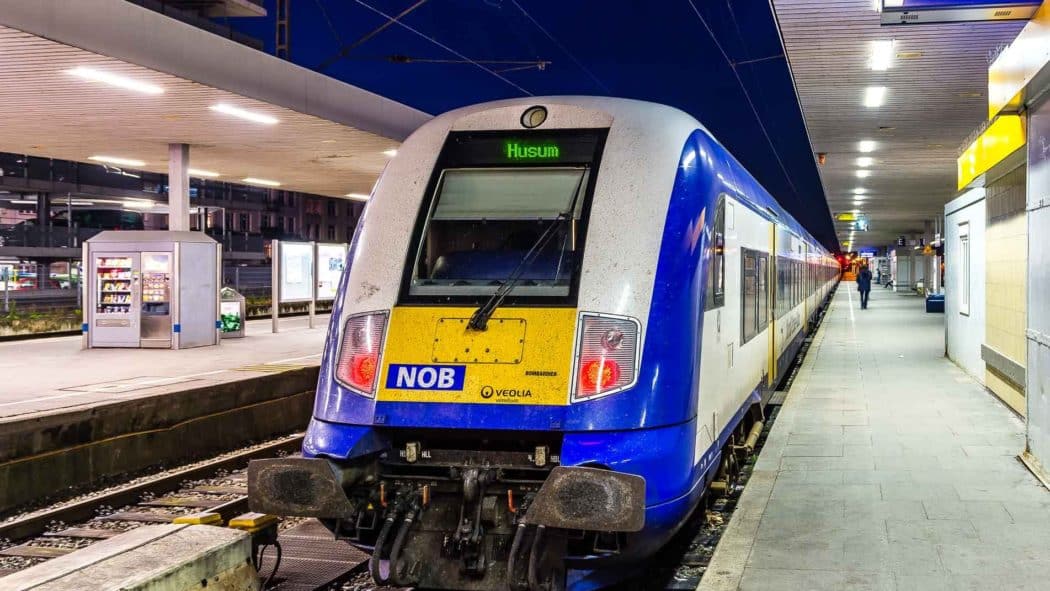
column 496, row 221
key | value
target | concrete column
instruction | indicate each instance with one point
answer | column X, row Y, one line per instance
column 179, row 187
column 43, row 219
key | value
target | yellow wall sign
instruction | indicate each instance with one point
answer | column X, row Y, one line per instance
column 846, row 217
column 1019, row 63
column 1005, row 134
column 525, row 356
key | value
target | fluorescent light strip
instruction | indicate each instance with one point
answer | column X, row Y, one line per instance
column 859, row 191
column 357, row 196
column 391, row 152
column 115, row 80
column 23, row 201
column 863, row 174
column 865, row 161
column 866, row 146
column 881, row 54
column 874, row 96
column 139, row 204
column 117, row 160
column 265, row 182
column 202, row 173
column 244, row 114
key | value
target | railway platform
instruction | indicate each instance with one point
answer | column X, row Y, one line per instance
column 71, row 417
column 887, row 468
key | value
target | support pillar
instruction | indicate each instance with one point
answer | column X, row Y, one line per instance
column 179, row 187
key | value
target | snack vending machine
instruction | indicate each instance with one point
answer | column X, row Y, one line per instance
column 115, row 295
column 156, row 300
column 151, row 289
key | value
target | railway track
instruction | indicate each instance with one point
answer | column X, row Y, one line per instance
column 217, row 486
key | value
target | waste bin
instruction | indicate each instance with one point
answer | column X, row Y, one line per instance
column 232, row 313
column 935, row 303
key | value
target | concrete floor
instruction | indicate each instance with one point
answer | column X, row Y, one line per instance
column 55, row 374
column 887, row 468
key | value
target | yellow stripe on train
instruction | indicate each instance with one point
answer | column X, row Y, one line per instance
column 524, row 357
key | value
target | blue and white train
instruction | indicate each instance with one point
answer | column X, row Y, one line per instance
column 560, row 320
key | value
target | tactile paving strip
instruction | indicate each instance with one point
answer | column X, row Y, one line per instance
column 311, row 558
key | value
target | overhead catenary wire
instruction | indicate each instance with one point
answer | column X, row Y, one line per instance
column 747, row 95
column 393, row 20
column 346, row 49
column 564, row 50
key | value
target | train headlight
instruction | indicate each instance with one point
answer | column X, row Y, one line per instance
column 360, row 351
column 606, row 355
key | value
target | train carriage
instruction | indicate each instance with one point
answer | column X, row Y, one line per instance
column 559, row 316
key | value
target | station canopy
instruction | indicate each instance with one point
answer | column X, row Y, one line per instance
column 98, row 80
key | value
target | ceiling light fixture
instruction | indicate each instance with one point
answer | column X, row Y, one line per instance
column 23, row 201
column 265, row 182
column 139, row 204
column 863, row 174
column 859, row 191
column 244, row 114
column 866, row 146
column 117, row 160
column 202, row 173
column 881, row 54
column 865, row 161
column 391, row 152
column 358, row 196
column 115, row 80
column 874, row 96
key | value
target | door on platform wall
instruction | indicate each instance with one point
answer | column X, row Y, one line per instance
column 1006, row 252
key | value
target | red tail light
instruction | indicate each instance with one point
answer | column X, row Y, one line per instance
column 606, row 355
column 360, row 352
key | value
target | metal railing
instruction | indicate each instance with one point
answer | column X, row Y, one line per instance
column 31, row 235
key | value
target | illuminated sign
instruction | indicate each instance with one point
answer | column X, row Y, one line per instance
column 1018, row 64
column 921, row 12
column 997, row 141
column 846, row 217
column 520, row 151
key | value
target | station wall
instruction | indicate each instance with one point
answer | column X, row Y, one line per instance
column 1038, row 377
column 1006, row 247
column 964, row 281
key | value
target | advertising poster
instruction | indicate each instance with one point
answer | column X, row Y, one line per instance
column 331, row 258
column 297, row 270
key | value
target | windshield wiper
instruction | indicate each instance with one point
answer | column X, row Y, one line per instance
column 480, row 318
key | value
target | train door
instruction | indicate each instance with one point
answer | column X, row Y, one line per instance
column 805, row 287
column 771, row 293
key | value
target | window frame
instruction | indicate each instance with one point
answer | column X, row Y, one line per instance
column 451, row 158
column 716, row 298
column 965, row 267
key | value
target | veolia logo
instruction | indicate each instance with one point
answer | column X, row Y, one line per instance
column 425, row 377
column 519, row 151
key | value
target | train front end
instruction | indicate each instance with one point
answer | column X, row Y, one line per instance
column 479, row 420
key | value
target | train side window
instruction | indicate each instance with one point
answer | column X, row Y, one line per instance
column 716, row 270
column 750, row 294
column 763, row 291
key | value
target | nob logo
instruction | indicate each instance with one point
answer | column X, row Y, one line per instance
column 426, row 377
column 487, row 392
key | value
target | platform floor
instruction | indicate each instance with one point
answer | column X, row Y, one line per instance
column 55, row 374
column 887, row 468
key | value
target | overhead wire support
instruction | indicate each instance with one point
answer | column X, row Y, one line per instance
column 391, row 20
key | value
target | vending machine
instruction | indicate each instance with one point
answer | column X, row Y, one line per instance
column 155, row 313
column 116, row 282
column 151, row 289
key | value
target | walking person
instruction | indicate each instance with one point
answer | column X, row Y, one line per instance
column 864, row 285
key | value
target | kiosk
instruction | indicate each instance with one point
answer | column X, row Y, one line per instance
column 152, row 289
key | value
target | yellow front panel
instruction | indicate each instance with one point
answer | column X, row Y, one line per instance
column 525, row 356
